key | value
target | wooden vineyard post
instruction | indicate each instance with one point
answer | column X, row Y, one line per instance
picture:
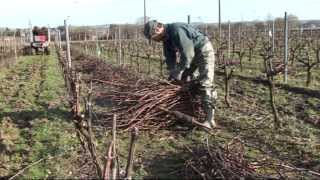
column 30, row 32
column 134, row 135
column 108, row 32
column 59, row 38
column 68, row 43
column 285, row 74
column 111, row 165
column 161, row 63
column 149, row 63
column 229, row 39
column 85, row 43
column 123, row 56
column 219, row 15
column 144, row 12
column 49, row 35
column 114, row 139
column 98, row 51
column 91, row 138
column 119, row 48
column 15, row 46
column 228, row 76
column 131, row 57
column 137, row 59
column 273, row 33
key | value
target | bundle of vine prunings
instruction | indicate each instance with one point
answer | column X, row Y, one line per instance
column 140, row 103
column 86, row 64
column 216, row 162
column 138, row 100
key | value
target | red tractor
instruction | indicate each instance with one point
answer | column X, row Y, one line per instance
column 40, row 40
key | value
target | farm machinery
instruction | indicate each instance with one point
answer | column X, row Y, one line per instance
column 39, row 42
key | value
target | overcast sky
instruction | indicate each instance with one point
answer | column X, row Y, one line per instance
column 17, row 13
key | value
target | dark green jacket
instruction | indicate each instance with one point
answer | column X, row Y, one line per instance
column 184, row 38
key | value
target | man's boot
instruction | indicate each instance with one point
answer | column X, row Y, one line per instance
column 209, row 102
column 209, row 121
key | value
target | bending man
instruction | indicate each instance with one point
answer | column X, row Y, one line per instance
column 196, row 53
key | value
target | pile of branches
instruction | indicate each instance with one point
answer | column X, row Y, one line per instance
column 138, row 101
column 216, row 162
column 99, row 69
column 86, row 64
column 141, row 103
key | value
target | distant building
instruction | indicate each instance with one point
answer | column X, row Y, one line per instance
column 311, row 24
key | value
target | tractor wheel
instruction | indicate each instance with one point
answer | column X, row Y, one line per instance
column 47, row 51
column 27, row 51
column 33, row 51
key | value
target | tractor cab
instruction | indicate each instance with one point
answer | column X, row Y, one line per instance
column 40, row 40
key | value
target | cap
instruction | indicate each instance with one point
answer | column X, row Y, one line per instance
column 148, row 28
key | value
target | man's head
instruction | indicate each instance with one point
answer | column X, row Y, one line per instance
column 154, row 30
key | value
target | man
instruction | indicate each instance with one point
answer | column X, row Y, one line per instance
column 196, row 53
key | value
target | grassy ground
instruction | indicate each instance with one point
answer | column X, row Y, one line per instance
column 34, row 120
column 297, row 73
column 162, row 154
column 35, row 127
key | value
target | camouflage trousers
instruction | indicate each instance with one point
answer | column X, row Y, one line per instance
column 202, row 67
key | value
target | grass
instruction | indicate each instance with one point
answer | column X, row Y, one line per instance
column 35, row 120
column 297, row 75
column 250, row 119
column 34, row 125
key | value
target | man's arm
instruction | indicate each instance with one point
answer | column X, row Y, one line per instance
column 170, row 57
column 186, row 49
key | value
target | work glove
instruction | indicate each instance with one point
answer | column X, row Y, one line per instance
column 175, row 75
column 192, row 87
column 186, row 73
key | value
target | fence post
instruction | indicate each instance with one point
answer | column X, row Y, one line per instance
column 49, row 34
column 15, row 45
column 30, row 32
column 108, row 32
column 273, row 33
column 120, row 53
column 144, row 12
column 97, row 44
column 285, row 48
column 240, row 35
column 161, row 63
column 59, row 38
column 85, row 43
column 130, row 160
column 229, row 39
column 219, row 5
column 114, row 139
column 68, row 43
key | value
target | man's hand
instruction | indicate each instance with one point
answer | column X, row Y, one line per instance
column 192, row 87
column 175, row 75
column 186, row 73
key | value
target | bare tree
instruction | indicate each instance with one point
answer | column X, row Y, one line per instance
column 229, row 66
column 241, row 53
column 295, row 47
column 252, row 43
column 308, row 61
column 270, row 73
